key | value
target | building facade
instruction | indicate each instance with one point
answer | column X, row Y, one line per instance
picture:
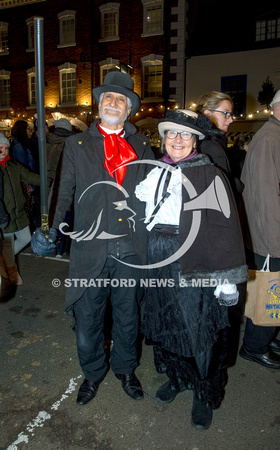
column 238, row 54
column 82, row 41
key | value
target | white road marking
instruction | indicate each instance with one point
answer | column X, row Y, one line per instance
column 42, row 416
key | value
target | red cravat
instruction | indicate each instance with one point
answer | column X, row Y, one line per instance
column 117, row 152
column 3, row 163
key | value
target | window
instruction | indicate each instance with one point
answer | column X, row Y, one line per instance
column 268, row 29
column 236, row 87
column 4, row 47
column 5, row 90
column 67, row 36
column 67, row 74
column 31, row 73
column 109, row 21
column 106, row 66
column 152, row 17
column 30, row 34
column 152, row 76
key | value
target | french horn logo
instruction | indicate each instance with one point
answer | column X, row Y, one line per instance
column 213, row 198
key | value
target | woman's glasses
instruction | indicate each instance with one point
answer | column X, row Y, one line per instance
column 183, row 135
column 227, row 114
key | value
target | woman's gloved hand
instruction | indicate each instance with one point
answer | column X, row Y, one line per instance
column 227, row 294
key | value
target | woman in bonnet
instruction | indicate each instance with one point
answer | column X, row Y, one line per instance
column 196, row 254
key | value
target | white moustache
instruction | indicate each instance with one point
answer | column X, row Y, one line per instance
column 111, row 108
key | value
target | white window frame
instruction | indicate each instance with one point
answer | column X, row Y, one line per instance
column 267, row 30
column 109, row 8
column 67, row 68
column 106, row 66
column 148, row 5
column 4, row 29
column 30, row 34
column 4, row 75
column 31, row 74
column 150, row 61
column 67, row 18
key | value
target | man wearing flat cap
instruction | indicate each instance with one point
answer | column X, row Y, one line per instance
column 106, row 245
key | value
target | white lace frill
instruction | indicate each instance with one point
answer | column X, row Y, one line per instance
column 169, row 212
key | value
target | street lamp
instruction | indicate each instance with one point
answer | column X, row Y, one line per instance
column 8, row 121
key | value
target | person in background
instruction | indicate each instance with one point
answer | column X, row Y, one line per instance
column 21, row 144
column 17, row 233
column 185, row 319
column 237, row 153
column 55, row 145
column 218, row 107
column 21, row 151
column 261, row 176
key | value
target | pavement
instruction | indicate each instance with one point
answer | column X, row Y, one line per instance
column 40, row 377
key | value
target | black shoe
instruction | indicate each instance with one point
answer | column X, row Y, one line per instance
column 275, row 345
column 131, row 385
column 270, row 359
column 167, row 392
column 87, row 391
column 159, row 360
column 201, row 414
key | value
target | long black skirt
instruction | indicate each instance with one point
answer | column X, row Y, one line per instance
column 186, row 322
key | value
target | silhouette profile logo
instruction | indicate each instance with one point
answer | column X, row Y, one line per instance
column 214, row 198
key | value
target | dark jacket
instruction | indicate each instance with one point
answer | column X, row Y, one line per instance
column 54, row 149
column 96, row 202
column 215, row 147
column 4, row 218
column 14, row 199
column 217, row 250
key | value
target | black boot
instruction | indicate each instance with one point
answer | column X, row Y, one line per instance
column 167, row 392
column 201, row 414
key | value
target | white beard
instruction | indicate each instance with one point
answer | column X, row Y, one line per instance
column 112, row 120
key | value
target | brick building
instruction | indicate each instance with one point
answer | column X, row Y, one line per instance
column 82, row 42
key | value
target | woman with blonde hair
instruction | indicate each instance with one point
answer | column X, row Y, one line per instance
column 218, row 107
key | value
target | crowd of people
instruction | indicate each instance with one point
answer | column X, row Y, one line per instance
column 176, row 220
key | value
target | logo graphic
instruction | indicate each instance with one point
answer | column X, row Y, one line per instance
column 92, row 232
column 273, row 307
column 214, row 197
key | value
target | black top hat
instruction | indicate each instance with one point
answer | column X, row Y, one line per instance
column 121, row 83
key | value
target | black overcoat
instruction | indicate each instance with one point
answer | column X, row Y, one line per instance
column 84, row 177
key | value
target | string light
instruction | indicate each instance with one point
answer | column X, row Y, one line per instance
column 241, row 116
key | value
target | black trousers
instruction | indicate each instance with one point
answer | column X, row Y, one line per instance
column 120, row 283
column 257, row 338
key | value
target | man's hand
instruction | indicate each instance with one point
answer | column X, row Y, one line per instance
column 41, row 245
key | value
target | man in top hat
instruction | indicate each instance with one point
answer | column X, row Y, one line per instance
column 106, row 244
column 261, row 176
